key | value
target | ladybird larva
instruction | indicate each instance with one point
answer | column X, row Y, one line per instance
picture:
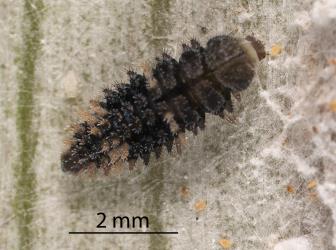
column 155, row 108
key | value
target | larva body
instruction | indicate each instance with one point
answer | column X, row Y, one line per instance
column 155, row 108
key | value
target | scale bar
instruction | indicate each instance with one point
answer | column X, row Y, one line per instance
column 123, row 232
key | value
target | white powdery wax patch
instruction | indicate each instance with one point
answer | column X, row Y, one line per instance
column 327, row 192
column 302, row 20
column 324, row 12
column 300, row 243
column 328, row 72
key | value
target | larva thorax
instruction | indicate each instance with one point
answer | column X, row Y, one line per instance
column 156, row 108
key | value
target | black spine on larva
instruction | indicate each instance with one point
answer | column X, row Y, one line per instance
column 150, row 112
